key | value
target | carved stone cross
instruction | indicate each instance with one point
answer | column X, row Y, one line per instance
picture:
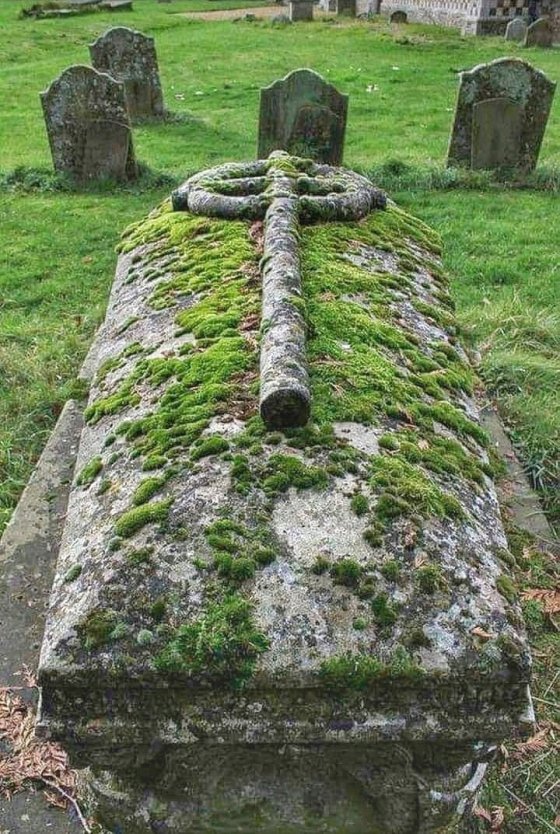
column 284, row 191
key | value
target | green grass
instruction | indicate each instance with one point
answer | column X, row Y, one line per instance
column 57, row 246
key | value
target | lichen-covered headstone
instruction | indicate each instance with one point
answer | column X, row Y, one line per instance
column 304, row 115
column 516, row 30
column 130, row 57
column 540, row 33
column 303, row 629
column 88, row 126
column 507, row 88
column 301, row 10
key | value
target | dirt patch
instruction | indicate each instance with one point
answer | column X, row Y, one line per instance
column 232, row 14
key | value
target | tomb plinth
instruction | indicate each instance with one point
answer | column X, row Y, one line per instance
column 282, row 630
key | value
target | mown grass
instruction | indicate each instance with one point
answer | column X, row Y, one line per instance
column 501, row 243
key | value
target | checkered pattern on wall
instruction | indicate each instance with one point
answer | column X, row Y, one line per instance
column 509, row 8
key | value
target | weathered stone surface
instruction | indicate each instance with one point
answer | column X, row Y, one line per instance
column 273, row 631
column 530, row 94
column 539, row 33
column 516, row 30
column 496, row 136
column 301, row 10
column 303, row 115
column 130, row 57
column 88, row 126
column 346, row 7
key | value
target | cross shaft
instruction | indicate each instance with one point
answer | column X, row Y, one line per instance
column 283, row 191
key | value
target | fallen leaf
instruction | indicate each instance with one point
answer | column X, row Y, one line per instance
column 478, row 631
column 549, row 599
column 482, row 813
column 498, row 818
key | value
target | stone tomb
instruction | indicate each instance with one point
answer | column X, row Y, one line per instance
column 305, row 115
column 301, row 10
column 130, row 57
column 501, row 116
column 264, row 628
column 88, row 126
column 540, row 33
column 516, row 30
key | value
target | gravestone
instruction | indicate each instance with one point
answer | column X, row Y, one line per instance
column 304, row 115
column 496, row 134
column 516, row 30
column 301, row 10
column 130, row 57
column 346, row 7
column 261, row 627
column 88, row 126
column 539, row 33
column 399, row 17
column 519, row 94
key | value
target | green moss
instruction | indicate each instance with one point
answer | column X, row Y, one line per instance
column 222, row 644
column 144, row 637
column 154, row 462
column 72, row 573
column 429, row 578
column 359, row 624
column 408, row 491
column 241, row 474
column 146, row 489
column 90, row 471
column 158, row 609
column 384, row 611
column 140, row 556
column 320, row 566
column 416, row 639
column 506, row 587
column 95, row 630
column 391, row 570
column 358, row 672
column 359, row 504
column 388, row 442
column 104, row 486
column 209, row 446
column 346, row 572
column 285, row 471
column 133, row 520
column 374, row 535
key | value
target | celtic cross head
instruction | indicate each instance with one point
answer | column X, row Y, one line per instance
column 284, row 191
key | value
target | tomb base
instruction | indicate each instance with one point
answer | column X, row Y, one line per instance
column 290, row 789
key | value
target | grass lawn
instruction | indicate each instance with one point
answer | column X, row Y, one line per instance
column 502, row 246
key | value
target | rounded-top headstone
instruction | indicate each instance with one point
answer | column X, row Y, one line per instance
column 88, row 126
column 130, row 57
column 516, row 30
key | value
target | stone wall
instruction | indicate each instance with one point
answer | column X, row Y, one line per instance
column 477, row 17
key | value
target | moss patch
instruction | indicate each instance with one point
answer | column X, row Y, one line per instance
column 133, row 520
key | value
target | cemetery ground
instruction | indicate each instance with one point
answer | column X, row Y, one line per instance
column 501, row 243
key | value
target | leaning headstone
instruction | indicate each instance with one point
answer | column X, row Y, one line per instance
column 346, row 7
column 399, row 17
column 501, row 116
column 540, row 33
column 259, row 627
column 304, row 115
column 130, row 57
column 88, row 126
column 516, row 30
column 301, row 10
